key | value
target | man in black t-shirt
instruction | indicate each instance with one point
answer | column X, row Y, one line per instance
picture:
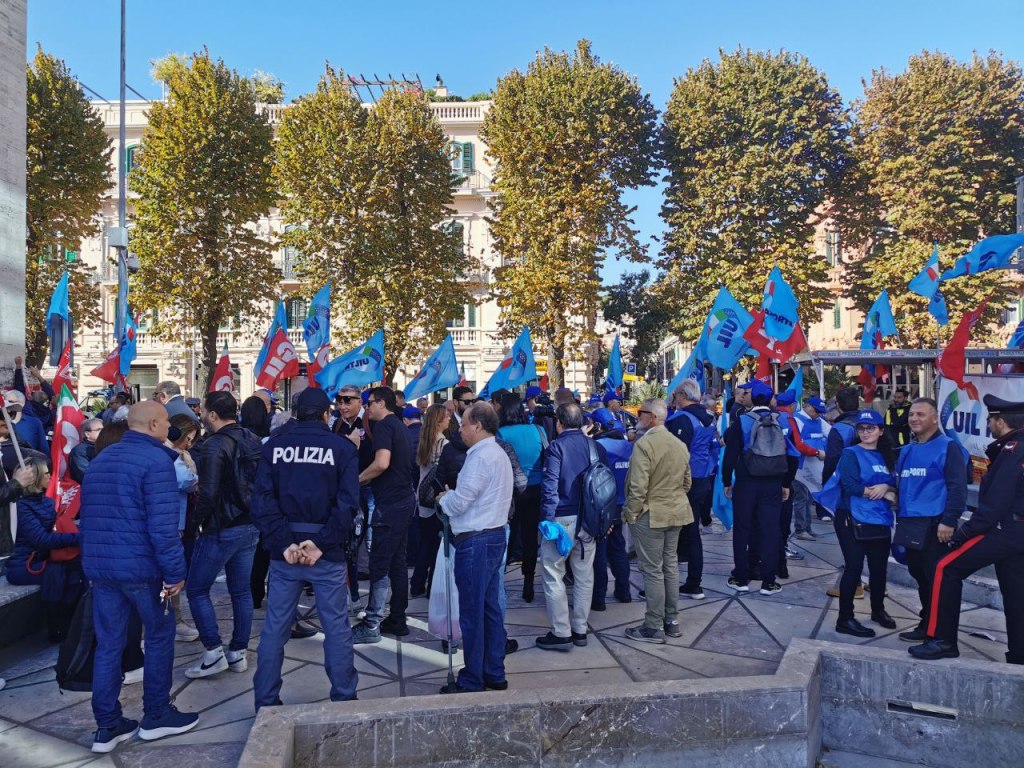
column 390, row 477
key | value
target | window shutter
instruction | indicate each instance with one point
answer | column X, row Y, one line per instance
column 467, row 158
column 471, row 315
column 456, row 151
column 836, row 319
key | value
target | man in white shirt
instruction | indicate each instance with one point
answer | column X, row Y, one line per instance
column 478, row 510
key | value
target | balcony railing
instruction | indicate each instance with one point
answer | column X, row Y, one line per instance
column 472, row 182
column 286, row 262
column 446, row 111
column 467, row 337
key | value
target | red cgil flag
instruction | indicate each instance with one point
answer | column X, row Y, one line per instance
column 314, row 366
column 66, row 435
column 765, row 345
column 109, row 369
column 63, row 376
column 281, row 362
column 952, row 360
column 764, row 369
column 223, row 378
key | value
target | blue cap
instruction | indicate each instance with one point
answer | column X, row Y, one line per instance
column 870, row 417
column 312, row 401
column 595, row 398
column 817, row 404
column 533, row 391
column 786, row 397
column 412, row 412
column 758, row 389
column 609, row 397
column 606, row 419
column 365, row 396
column 273, row 395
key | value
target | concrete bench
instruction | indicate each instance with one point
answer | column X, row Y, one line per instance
column 20, row 611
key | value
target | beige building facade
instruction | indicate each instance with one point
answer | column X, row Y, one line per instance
column 474, row 333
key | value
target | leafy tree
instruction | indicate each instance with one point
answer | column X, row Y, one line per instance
column 755, row 144
column 203, row 178
column 370, row 193
column 268, row 88
column 567, row 138
column 940, row 146
column 633, row 304
column 68, row 171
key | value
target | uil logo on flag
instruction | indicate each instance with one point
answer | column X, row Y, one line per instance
column 723, row 325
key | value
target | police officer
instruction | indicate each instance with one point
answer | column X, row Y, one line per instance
column 306, row 494
column 993, row 536
column 931, row 474
column 692, row 424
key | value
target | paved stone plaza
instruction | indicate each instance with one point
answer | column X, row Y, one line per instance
column 725, row 635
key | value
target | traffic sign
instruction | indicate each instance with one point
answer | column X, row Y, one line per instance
column 631, row 369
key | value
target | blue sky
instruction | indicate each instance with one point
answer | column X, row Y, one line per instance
column 472, row 44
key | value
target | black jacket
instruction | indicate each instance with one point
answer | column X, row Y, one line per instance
column 307, row 477
column 215, row 508
column 897, row 424
column 78, row 460
column 1001, row 496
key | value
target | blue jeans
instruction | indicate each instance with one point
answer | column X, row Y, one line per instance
column 611, row 551
column 231, row 549
column 502, row 600
column 477, row 560
column 283, row 592
column 112, row 604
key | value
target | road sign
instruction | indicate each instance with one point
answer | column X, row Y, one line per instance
column 631, row 369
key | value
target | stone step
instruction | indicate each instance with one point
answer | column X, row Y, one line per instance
column 834, row 759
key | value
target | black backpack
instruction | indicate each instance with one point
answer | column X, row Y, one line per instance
column 245, row 460
column 765, row 453
column 600, row 511
column 78, row 649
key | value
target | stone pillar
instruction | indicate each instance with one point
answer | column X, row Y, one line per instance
column 12, row 184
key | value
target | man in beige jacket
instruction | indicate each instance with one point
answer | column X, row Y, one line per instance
column 656, row 509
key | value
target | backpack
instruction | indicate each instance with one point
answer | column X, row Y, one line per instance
column 600, row 512
column 78, row 649
column 245, row 460
column 765, row 453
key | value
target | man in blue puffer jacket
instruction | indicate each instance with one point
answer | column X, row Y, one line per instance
column 133, row 555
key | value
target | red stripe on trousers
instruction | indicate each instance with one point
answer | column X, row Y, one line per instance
column 933, row 614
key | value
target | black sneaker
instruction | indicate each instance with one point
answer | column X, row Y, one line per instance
column 692, row 592
column 498, row 685
column 106, row 739
column 770, row 588
column 739, row 586
column 672, row 629
column 511, row 645
column 598, row 607
column 393, row 626
column 551, row 642
column 646, row 635
column 579, row 639
column 934, row 649
column 171, row 723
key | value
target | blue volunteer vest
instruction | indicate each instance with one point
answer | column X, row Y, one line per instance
column 811, row 432
column 703, row 448
column 873, row 471
column 619, row 452
column 921, row 470
column 846, row 431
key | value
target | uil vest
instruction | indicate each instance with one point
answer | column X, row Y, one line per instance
column 812, row 432
column 873, row 471
column 702, row 446
column 619, row 452
column 921, row 471
column 846, row 431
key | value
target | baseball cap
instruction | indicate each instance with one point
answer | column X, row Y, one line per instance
column 609, row 397
column 533, row 391
column 192, row 402
column 606, row 419
column 870, row 417
column 787, row 397
column 412, row 412
column 365, row 396
column 595, row 398
column 312, row 401
column 274, row 399
column 817, row 404
column 758, row 389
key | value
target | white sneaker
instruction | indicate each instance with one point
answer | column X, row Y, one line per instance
column 3, row 683
column 211, row 663
column 133, row 676
column 185, row 633
column 238, row 661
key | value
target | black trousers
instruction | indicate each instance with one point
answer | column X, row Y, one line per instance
column 388, row 553
column 855, row 552
column 921, row 564
column 258, row 576
column 526, row 523
column 785, row 527
column 426, row 555
column 1003, row 548
column 756, row 508
column 690, row 547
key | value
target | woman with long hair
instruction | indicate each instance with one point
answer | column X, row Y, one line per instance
column 433, row 439
column 182, row 435
column 864, row 520
column 528, row 441
column 254, row 417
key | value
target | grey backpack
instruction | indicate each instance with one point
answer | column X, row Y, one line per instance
column 765, row 453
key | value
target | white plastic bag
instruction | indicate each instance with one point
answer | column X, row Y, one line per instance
column 437, row 613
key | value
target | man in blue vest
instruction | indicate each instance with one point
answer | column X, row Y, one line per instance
column 814, row 432
column 692, row 424
column 762, row 483
column 611, row 550
column 932, row 477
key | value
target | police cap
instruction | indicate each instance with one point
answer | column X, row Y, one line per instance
column 997, row 406
column 312, row 401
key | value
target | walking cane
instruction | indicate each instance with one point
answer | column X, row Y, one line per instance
column 446, row 534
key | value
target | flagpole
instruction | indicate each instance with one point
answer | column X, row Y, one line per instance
column 14, row 437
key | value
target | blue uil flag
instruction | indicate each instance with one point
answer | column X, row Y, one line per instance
column 614, row 380
column 439, row 372
column 993, row 252
column 780, row 307
column 518, row 367
column 316, row 328
column 722, row 336
column 359, row 366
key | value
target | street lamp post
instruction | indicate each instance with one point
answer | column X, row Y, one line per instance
column 122, row 240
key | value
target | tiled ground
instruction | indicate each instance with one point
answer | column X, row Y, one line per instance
column 725, row 635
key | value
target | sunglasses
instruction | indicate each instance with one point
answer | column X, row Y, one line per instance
column 347, row 400
column 471, row 401
column 640, row 413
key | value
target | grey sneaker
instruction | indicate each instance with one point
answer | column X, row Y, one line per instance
column 365, row 633
column 672, row 629
column 805, row 536
column 646, row 635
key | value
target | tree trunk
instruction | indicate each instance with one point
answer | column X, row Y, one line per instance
column 556, row 363
column 36, row 349
column 209, row 360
